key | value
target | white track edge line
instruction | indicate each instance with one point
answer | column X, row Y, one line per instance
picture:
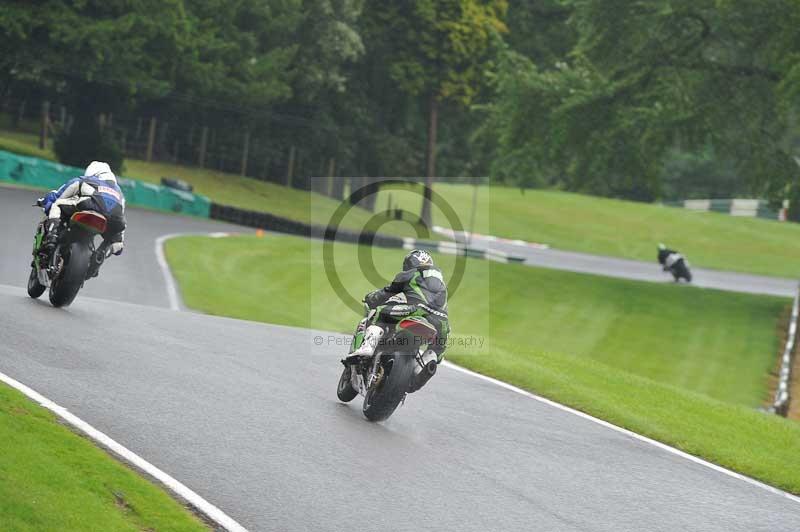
column 777, row 491
column 172, row 289
column 645, row 439
column 206, row 508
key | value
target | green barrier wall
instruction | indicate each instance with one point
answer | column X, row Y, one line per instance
column 40, row 173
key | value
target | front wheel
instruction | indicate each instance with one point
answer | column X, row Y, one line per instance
column 345, row 391
column 383, row 397
column 65, row 286
column 35, row 288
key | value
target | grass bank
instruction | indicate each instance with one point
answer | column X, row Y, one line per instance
column 620, row 228
column 683, row 365
column 53, row 479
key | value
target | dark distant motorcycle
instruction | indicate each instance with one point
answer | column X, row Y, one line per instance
column 402, row 363
column 73, row 260
column 674, row 263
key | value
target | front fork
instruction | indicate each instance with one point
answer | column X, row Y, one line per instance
column 358, row 337
column 37, row 244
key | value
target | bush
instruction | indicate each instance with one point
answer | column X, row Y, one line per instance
column 84, row 143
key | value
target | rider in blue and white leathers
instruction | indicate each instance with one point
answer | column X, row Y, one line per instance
column 96, row 190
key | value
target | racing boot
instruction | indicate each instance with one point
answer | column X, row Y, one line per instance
column 50, row 236
column 372, row 336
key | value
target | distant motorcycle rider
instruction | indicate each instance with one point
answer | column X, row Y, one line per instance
column 418, row 290
column 667, row 257
column 97, row 190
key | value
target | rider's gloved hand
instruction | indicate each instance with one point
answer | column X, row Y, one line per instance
column 116, row 248
column 374, row 298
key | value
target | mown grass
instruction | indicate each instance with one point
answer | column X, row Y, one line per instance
column 24, row 144
column 53, row 479
column 683, row 365
column 619, row 228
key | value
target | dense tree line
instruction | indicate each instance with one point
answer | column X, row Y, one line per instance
column 643, row 100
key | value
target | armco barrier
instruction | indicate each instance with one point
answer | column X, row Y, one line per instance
column 735, row 207
column 40, row 173
column 780, row 405
column 270, row 222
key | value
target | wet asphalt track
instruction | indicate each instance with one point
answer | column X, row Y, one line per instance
column 245, row 414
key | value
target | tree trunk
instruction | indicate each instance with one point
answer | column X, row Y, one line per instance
column 433, row 123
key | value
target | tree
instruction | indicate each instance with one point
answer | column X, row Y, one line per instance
column 97, row 53
column 645, row 78
column 101, row 56
column 435, row 50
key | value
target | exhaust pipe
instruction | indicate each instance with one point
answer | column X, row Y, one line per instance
column 424, row 373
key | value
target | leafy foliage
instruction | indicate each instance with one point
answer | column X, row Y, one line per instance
column 643, row 100
column 643, row 79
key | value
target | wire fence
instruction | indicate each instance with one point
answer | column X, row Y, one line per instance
column 169, row 137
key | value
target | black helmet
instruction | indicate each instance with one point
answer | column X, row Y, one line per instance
column 417, row 258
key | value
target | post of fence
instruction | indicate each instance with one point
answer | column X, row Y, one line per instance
column 245, row 152
column 45, row 123
column 290, row 169
column 151, row 138
column 20, row 113
column 331, row 171
column 201, row 158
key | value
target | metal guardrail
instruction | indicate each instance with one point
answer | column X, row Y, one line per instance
column 459, row 248
column 271, row 222
column 781, row 404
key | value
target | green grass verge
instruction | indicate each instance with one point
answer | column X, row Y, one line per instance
column 620, row 228
column 680, row 364
column 717, row 343
column 229, row 189
column 53, row 479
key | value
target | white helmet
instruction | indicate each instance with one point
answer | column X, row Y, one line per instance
column 100, row 170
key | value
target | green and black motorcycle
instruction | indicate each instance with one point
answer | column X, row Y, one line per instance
column 402, row 364
column 73, row 260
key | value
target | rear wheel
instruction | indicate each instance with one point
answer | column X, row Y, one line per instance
column 345, row 391
column 65, row 286
column 683, row 271
column 35, row 288
column 383, row 398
